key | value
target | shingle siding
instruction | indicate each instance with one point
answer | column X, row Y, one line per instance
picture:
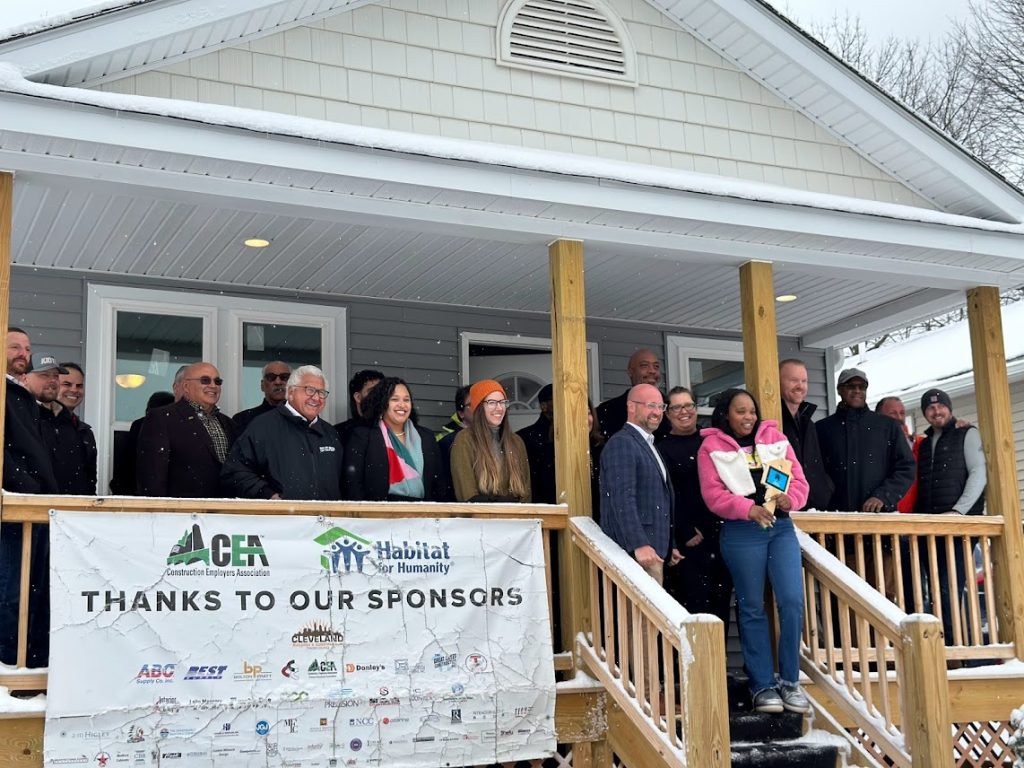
column 429, row 68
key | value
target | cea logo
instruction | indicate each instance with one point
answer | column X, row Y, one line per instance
column 237, row 550
column 155, row 673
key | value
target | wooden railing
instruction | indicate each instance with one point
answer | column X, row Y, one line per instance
column 644, row 645
column 855, row 642
column 911, row 559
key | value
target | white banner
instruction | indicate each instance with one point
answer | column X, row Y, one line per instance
column 233, row 641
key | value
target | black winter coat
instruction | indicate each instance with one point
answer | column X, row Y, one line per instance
column 803, row 436
column 866, row 454
column 366, row 466
column 28, row 462
column 282, row 453
column 73, row 447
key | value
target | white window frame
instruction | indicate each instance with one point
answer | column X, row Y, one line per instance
column 540, row 343
column 680, row 349
column 223, row 317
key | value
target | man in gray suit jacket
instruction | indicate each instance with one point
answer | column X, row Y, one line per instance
column 636, row 492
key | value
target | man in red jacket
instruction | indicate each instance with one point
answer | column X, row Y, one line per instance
column 893, row 408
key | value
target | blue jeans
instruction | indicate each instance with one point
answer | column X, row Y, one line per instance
column 752, row 553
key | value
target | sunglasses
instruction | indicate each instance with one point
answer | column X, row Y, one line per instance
column 207, row 380
column 268, row 377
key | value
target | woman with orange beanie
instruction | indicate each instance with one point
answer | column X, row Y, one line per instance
column 488, row 460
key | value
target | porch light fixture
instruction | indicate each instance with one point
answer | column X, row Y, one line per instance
column 257, row 242
column 130, row 380
column 786, row 298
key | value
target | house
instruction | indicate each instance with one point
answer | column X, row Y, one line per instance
column 942, row 358
column 400, row 169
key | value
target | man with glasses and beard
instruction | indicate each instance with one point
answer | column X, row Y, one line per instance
column 182, row 446
column 274, row 385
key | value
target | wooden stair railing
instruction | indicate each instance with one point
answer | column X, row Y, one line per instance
column 644, row 645
column 854, row 641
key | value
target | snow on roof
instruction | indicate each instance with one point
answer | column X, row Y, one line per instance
column 12, row 81
column 937, row 358
column 22, row 18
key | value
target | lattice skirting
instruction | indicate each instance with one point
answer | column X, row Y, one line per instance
column 975, row 745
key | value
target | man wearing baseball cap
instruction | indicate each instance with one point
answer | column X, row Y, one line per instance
column 951, row 480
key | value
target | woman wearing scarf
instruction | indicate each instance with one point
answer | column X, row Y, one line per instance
column 757, row 544
column 392, row 459
column 488, row 459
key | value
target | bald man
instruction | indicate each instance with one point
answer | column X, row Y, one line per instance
column 636, row 492
column 643, row 368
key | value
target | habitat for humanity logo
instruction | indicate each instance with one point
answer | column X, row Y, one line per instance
column 345, row 550
column 225, row 555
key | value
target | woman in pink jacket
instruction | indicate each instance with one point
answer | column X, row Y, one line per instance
column 757, row 544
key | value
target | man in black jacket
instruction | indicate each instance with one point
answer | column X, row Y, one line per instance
column 289, row 452
column 273, row 385
column 799, row 429
column 539, row 440
column 643, row 368
column 183, row 446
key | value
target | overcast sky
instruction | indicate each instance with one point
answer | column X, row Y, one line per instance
column 903, row 18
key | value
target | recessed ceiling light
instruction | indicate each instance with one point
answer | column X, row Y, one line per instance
column 257, row 242
column 786, row 298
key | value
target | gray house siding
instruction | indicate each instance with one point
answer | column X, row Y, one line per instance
column 420, row 343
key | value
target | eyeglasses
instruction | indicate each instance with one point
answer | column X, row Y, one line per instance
column 651, row 406
column 313, row 392
column 268, row 377
column 496, row 403
column 687, row 407
column 207, row 380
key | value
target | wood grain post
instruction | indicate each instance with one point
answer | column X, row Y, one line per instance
column 705, row 700
column 6, row 211
column 572, row 449
column 760, row 340
column 925, row 692
column 992, row 392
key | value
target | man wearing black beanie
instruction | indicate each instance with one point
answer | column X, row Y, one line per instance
column 950, row 481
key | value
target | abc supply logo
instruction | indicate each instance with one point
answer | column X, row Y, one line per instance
column 155, row 674
column 345, row 551
column 226, row 551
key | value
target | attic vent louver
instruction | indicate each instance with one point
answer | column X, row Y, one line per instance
column 577, row 37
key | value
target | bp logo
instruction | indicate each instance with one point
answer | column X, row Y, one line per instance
column 342, row 550
column 236, row 550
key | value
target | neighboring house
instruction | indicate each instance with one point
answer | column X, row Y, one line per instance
column 942, row 358
column 408, row 162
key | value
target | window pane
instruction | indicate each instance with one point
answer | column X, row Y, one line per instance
column 150, row 349
column 709, row 377
column 263, row 343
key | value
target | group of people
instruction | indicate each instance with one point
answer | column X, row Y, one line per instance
column 669, row 493
column 693, row 507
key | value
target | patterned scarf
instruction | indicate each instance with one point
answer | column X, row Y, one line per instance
column 405, row 462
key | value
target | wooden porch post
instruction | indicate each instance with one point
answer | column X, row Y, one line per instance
column 925, row 692
column 6, row 210
column 760, row 341
column 572, row 451
column 992, row 392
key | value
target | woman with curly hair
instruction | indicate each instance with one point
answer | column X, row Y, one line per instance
column 392, row 458
column 488, row 460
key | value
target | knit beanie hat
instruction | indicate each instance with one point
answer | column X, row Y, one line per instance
column 935, row 396
column 482, row 389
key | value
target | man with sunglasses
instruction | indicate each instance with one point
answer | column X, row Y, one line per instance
column 865, row 453
column 183, row 446
column 274, row 385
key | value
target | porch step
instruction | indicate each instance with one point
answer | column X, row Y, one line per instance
column 767, row 740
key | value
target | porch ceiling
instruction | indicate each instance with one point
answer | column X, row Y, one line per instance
column 170, row 199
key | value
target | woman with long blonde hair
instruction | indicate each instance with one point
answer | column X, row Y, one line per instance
column 488, row 460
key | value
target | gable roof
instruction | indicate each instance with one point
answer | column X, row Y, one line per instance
column 131, row 38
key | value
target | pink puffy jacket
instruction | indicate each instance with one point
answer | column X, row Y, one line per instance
column 725, row 479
